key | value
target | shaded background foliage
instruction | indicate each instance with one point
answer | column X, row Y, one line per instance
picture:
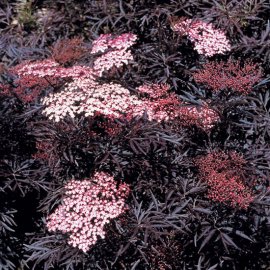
column 170, row 213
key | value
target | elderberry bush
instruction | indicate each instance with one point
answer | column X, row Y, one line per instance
column 134, row 135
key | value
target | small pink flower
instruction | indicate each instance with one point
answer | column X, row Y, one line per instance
column 229, row 75
column 115, row 51
column 87, row 207
column 222, row 172
column 208, row 40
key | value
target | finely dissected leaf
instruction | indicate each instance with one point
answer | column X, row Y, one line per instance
column 180, row 208
column 154, row 200
column 199, row 264
column 213, row 267
column 266, row 32
column 228, row 240
column 207, row 239
column 135, row 265
column 6, row 227
column 203, row 210
column 195, row 190
column 239, row 233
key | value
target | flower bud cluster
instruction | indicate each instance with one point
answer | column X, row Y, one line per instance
column 229, row 75
column 228, row 190
column 31, row 78
column 159, row 104
column 67, row 51
column 223, row 174
column 201, row 116
column 87, row 206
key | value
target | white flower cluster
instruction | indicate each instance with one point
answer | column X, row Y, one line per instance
column 115, row 51
column 86, row 96
column 111, row 59
column 107, row 41
column 208, row 40
column 42, row 68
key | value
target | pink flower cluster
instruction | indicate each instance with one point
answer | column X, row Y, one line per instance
column 202, row 116
column 88, row 205
column 208, row 40
column 162, row 105
column 43, row 68
column 222, row 172
column 83, row 94
column 115, row 51
column 228, row 190
column 48, row 68
column 86, row 96
column 111, row 59
column 229, row 75
column 107, row 41
column 32, row 79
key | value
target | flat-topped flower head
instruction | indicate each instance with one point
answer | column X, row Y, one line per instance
column 161, row 105
column 107, row 41
column 223, row 174
column 229, row 75
column 86, row 96
column 207, row 40
column 115, row 51
column 87, row 206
